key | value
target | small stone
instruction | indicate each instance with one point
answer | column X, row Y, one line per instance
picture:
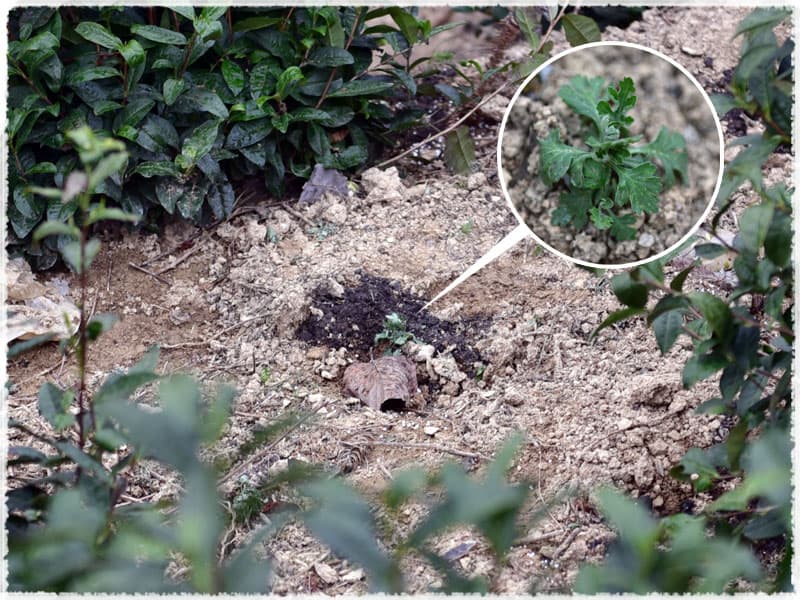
column 327, row 573
column 624, row 424
column 646, row 240
column 548, row 551
column 327, row 375
column 316, row 398
column 316, row 353
column 431, row 430
column 476, row 181
column 335, row 289
column 352, row 576
column 691, row 51
column 658, row 502
column 278, row 467
column 336, row 214
column 677, row 405
column 424, row 353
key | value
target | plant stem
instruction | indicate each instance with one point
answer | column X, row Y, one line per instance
column 346, row 46
column 82, row 344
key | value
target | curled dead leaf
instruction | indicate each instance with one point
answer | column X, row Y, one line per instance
column 389, row 379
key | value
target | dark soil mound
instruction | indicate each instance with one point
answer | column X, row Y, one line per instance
column 366, row 306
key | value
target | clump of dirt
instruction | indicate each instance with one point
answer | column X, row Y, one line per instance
column 352, row 316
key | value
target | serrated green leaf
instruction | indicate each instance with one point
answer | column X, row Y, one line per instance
column 527, row 26
column 638, row 188
column 555, row 157
column 582, row 95
column 621, row 229
column 669, row 149
column 623, row 98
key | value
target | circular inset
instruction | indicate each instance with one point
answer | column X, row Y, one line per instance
column 611, row 153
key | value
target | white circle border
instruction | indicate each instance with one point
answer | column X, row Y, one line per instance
column 711, row 201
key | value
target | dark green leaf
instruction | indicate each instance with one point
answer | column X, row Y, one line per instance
column 234, row 76
column 160, row 168
column 200, row 142
column 579, row 29
column 714, row 310
column 628, row 291
column 159, row 34
column 97, row 34
column 709, row 251
column 617, row 316
column 753, row 227
column 172, row 89
column 361, row 87
column 54, row 405
column 326, row 56
column 459, row 150
column 699, row 367
column 667, row 327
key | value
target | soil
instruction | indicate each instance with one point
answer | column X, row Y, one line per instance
column 665, row 98
column 248, row 302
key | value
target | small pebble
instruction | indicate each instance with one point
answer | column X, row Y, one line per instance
column 646, row 240
column 691, row 51
column 624, row 424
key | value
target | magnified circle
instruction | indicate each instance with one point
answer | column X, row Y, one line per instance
column 611, row 154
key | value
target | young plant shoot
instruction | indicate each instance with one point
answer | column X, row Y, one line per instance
column 611, row 180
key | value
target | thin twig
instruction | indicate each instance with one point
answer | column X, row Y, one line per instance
column 207, row 341
column 155, row 276
column 444, row 131
column 436, row 447
column 299, row 215
column 180, row 259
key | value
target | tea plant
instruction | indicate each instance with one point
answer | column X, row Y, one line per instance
column 202, row 97
column 68, row 529
column 611, row 175
column 744, row 337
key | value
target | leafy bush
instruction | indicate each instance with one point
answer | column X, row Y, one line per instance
column 762, row 81
column 67, row 530
column 669, row 555
column 745, row 337
column 202, row 97
column 613, row 175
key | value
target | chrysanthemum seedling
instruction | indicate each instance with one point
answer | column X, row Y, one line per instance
column 611, row 180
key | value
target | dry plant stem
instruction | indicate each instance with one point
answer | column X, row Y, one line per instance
column 207, row 341
column 445, row 131
column 346, row 46
column 155, row 276
column 437, row 447
column 82, row 347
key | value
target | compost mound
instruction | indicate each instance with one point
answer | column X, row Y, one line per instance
column 366, row 305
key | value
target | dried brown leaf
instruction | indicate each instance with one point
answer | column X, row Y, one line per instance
column 386, row 378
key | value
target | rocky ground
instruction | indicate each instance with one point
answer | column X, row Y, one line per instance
column 251, row 302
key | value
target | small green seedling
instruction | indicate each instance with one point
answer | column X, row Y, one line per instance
column 394, row 331
column 611, row 180
column 265, row 375
column 467, row 227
